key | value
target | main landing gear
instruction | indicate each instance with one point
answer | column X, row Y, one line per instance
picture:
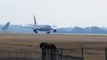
column 35, row 31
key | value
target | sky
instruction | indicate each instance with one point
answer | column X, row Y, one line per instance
column 81, row 13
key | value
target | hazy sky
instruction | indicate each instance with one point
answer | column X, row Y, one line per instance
column 55, row 12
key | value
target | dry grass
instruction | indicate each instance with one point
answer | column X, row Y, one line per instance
column 30, row 42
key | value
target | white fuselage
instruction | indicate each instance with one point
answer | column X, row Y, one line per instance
column 43, row 27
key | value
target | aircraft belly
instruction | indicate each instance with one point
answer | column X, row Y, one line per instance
column 44, row 29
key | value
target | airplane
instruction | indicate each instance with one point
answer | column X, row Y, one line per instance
column 5, row 27
column 47, row 28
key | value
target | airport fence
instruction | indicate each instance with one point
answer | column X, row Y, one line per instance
column 50, row 52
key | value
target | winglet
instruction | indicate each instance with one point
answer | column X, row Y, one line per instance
column 5, row 27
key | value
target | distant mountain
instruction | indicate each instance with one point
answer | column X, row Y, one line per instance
column 95, row 30
column 87, row 30
column 64, row 30
column 74, row 30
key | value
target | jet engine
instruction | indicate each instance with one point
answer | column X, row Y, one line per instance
column 54, row 30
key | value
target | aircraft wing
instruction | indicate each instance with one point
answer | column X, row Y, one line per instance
column 57, row 27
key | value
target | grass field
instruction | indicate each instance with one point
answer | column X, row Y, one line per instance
column 31, row 42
